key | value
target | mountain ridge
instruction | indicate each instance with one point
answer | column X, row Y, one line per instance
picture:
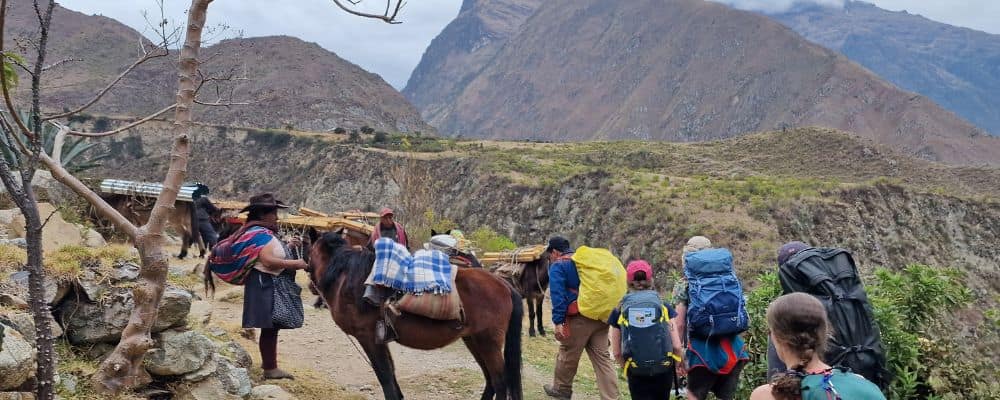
column 281, row 89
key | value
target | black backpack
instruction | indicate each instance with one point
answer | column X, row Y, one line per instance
column 832, row 277
column 646, row 343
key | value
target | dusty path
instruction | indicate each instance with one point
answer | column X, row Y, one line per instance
column 322, row 350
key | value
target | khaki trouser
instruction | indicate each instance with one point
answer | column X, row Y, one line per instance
column 585, row 333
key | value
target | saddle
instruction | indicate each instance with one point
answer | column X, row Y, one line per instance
column 437, row 306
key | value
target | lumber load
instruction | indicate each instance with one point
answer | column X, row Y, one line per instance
column 325, row 224
column 519, row 255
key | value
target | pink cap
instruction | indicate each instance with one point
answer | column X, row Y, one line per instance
column 385, row 211
column 636, row 266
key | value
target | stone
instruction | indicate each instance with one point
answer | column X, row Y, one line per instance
column 99, row 351
column 68, row 382
column 12, row 301
column 208, row 389
column 125, row 272
column 19, row 242
column 236, row 354
column 210, row 368
column 25, row 324
column 91, row 238
column 56, row 233
column 270, row 392
column 55, row 291
column 179, row 353
column 17, row 359
column 87, row 322
column 234, row 379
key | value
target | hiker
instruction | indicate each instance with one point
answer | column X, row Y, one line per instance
column 575, row 332
column 799, row 329
column 712, row 361
column 390, row 229
column 643, row 341
column 270, row 285
column 831, row 276
column 204, row 211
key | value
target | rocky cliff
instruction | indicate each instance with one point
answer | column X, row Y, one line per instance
column 681, row 70
column 641, row 199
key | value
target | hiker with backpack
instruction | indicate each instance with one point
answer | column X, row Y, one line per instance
column 799, row 330
column 643, row 341
column 711, row 313
column 256, row 258
column 574, row 331
column 831, row 276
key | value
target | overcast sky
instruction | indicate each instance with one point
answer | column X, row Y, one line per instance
column 392, row 51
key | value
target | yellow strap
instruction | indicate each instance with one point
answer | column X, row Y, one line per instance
column 622, row 321
column 628, row 364
column 676, row 357
column 664, row 314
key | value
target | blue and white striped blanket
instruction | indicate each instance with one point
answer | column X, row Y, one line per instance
column 426, row 271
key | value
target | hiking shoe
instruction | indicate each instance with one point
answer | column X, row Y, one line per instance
column 277, row 373
column 553, row 393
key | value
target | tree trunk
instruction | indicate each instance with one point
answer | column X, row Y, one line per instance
column 36, row 297
column 123, row 368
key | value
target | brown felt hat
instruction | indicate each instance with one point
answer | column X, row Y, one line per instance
column 265, row 201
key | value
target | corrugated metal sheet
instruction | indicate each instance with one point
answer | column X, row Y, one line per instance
column 145, row 189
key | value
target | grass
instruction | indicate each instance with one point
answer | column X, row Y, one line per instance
column 68, row 262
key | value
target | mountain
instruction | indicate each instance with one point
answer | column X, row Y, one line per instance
column 465, row 46
column 956, row 67
column 680, row 70
column 288, row 82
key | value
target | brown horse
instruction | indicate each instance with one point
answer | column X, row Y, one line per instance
column 533, row 284
column 491, row 329
column 137, row 210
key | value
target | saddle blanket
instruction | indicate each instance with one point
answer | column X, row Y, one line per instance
column 446, row 306
column 426, row 271
column 508, row 270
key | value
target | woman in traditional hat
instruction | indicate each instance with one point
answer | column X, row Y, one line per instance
column 270, row 281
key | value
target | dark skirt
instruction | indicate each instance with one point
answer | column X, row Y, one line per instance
column 258, row 299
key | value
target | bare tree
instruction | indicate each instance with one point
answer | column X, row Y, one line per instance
column 123, row 368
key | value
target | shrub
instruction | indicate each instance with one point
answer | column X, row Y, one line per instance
column 380, row 137
column 911, row 307
column 486, row 239
column 367, row 130
column 355, row 136
column 102, row 124
column 341, row 131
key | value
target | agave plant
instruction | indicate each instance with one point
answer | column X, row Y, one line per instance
column 74, row 155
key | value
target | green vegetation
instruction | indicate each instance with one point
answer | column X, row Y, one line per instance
column 273, row 139
column 75, row 155
column 914, row 308
column 486, row 239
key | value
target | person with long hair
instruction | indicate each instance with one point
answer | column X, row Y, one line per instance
column 799, row 330
column 261, row 286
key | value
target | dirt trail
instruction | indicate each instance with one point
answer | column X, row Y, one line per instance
column 323, row 349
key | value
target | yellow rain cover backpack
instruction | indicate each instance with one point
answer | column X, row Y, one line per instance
column 602, row 282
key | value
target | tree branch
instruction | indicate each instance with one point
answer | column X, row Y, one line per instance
column 20, row 64
column 63, row 176
column 387, row 17
column 145, row 57
column 124, row 128
column 60, row 62
column 57, row 144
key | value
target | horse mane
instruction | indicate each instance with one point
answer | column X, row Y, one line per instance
column 344, row 259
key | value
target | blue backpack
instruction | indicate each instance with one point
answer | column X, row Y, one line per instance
column 646, row 344
column 716, row 306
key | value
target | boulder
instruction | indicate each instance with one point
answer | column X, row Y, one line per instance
column 87, row 322
column 179, row 353
column 208, row 389
column 55, row 291
column 56, row 233
column 17, row 396
column 125, row 272
column 68, row 383
column 270, row 392
column 236, row 354
column 19, row 242
column 17, row 359
column 91, row 238
column 25, row 324
column 234, row 379
column 209, row 369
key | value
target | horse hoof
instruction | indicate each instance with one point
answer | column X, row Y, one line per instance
column 541, row 333
column 531, row 333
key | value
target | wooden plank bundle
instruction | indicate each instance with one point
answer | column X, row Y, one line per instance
column 519, row 255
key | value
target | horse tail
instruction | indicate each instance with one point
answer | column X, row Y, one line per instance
column 208, row 281
column 512, row 348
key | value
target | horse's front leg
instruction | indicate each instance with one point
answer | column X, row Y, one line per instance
column 531, row 316
column 538, row 305
column 385, row 371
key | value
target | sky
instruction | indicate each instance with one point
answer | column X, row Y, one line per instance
column 392, row 51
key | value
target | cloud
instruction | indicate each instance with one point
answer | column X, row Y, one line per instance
column 776, row 6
